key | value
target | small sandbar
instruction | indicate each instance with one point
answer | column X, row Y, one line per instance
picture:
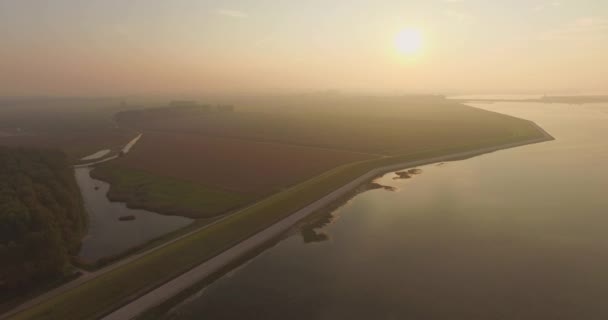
column 96, row 155
column 407, row 174
column 414, row 171
column 130, row 145
column 375, row 186
column 402, row 175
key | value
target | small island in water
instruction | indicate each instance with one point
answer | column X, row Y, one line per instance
column 127, row 218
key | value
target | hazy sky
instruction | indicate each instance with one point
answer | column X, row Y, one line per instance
column 103, row 47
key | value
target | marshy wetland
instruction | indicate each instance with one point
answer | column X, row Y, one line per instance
column 108, row 232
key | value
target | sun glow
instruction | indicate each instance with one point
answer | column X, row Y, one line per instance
column 409, row 41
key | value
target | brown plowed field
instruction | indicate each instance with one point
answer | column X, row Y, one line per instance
column 232, row 164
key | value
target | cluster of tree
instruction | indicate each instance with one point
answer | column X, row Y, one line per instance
column 42, row 218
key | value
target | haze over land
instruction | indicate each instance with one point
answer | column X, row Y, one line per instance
column 151, row 149
column 69, row 47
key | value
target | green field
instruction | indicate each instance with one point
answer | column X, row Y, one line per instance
column 114, row 288
column 168, row 195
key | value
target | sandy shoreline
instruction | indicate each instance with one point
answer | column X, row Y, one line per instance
column 199, row 273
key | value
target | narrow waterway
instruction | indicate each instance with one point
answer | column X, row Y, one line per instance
column 113, row 228
column 514, row 234
column 107, row 235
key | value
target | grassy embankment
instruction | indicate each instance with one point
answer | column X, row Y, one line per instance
column 115, row 288
column 163, row 194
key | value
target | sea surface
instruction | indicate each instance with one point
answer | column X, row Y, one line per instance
column 515, row 234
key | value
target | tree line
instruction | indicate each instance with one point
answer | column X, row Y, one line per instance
column 42, row 217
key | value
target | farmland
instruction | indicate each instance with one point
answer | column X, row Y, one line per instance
column 233, row 164
column 199, row 176
column 384, row 127
column 171, row 196
column 201, row 161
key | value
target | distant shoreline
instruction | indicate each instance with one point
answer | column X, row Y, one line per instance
column 544, row 99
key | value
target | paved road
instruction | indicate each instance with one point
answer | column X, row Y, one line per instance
column 202, row 271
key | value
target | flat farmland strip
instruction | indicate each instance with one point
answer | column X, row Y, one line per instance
column 231, row 164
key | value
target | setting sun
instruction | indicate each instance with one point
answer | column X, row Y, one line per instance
column 409, row 41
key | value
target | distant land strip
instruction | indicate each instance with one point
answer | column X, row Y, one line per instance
column 545, row 99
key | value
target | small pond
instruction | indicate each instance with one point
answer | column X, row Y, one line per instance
column 107, row 235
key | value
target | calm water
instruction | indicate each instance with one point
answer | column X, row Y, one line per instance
column 106, row 234
column 516, row 234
